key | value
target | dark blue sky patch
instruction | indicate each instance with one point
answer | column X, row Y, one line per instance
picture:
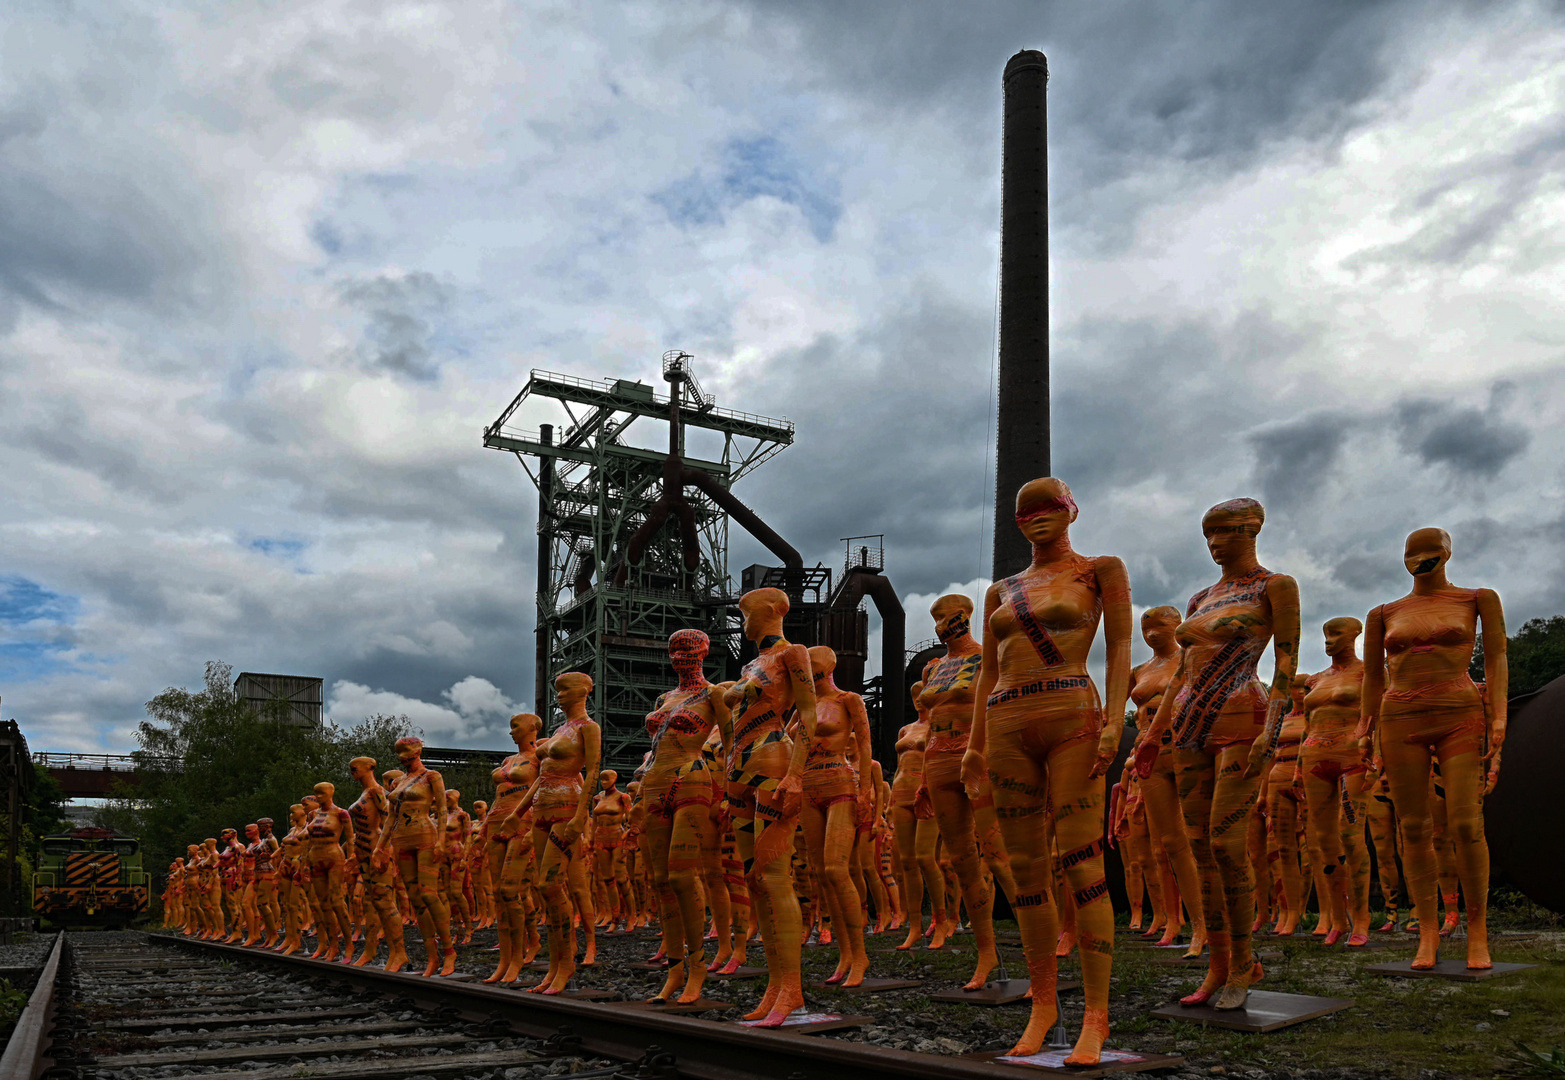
column 276, row 546
column 753, row 168
column 23, row 601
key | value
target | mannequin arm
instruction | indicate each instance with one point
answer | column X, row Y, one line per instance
column 1496, row 675
column 803, row 681
column 974, row 767
column 1283, row 594
column 1368, row 731
column 860, row 721
column 1115, row 584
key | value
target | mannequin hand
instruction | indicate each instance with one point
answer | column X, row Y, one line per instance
column 1259, row 756
column 1146, row 757
column 792, row 784
column 571, row 831
column 1493, row 777
column 974, row 772
column 1107, row 751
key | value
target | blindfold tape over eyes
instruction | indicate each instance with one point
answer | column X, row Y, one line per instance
column 1064, row 502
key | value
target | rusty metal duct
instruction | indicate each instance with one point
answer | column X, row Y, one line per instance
column 1022, row 440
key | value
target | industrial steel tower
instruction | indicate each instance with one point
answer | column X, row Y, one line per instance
column 611, row 591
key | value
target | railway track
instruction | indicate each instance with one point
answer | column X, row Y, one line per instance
column 136, row 1006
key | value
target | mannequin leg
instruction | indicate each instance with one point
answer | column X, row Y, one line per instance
column 1354, row 793
column 906, row 826
column 1407, row 770
column 1166, row 822
column 1382, row 832
column 926, row 838
column 955, row 820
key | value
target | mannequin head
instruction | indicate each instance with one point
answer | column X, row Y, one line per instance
column 252, row 833
column 324, row 792
column 1157, row 628
column 607, row 779
column 525, row 727
column 480, row 809
column 296, row 814
column 1427, row 551
column 1342, row 633
column 410, row 749
column 265, row 825
column 572, row 688
column 228, row 837
column 210, row 845
column 192, row 852
column 391, row 778
column 763, row 611
column 1045, row 510
column 362, row 769
column 1230, row 529
column 823, row 662
column 687, row 649
column 311, row 806
column 953, row 615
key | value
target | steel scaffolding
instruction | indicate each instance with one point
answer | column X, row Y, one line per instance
column 594, row 492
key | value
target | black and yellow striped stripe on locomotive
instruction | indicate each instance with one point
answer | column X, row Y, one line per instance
column 90, row 876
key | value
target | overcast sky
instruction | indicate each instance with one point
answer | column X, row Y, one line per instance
column 267, row 270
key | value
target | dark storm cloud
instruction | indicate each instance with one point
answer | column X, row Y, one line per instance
column 1470, row 441
column 1294, row 458
column 399, row 321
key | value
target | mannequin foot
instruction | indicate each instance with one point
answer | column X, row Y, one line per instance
column 1089, row 1044
column 367, row 955
column 562, row 978
column 1042, row 1018
column 915, row 933
column 857, row 970
column 940, row 933
column 1135, row 924
column 544, row 985
column 825, row 938
column 789, row 998
column 1216, row 977
column 590, row 957
column 1428, row 950
column 1332, row 936
column 448, row 964
column 1452, row 918
column 720, row 959
column 671, row 984
column 1357, row 940
column 735, row 962
column 1478, row 948
column 987, row 959
column 767, row 1000
column 1066, row 943
column 397, row 959
column 694, row 981
column 841, row 973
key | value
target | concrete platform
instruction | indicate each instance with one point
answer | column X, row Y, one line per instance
column 1447, row 969
column 1264, row 1011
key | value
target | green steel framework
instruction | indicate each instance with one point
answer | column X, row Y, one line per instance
column 593, row 492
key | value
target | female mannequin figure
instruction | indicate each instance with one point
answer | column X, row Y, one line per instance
column 948, row 696
column 195, row 915
column 560, row 799
column 412, row 834
column 266, row 875
column 212, row 890
column 834, row 797
column 765, row 782
column 230, row 871
column 609, row 810
column 917, row 832
column 172, row 895
column 369, row 813
column 1226, row 728
column 458, row 825
column 252, row 910
column 676, row 791
column 1420, row 701
column 1284, row 812
column 1044, row 739
column 478, row 867
column 329, row 828
column 1334, row 782
column 292, row 848
column 1160, row 789
column 508, row 848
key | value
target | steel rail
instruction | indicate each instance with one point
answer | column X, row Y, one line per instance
column 702, row 1049
column 25, row 1055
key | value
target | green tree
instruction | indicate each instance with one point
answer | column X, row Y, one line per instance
column 210, row 761
column 1534, row 655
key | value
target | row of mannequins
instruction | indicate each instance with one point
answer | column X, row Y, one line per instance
column 1005, row 769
